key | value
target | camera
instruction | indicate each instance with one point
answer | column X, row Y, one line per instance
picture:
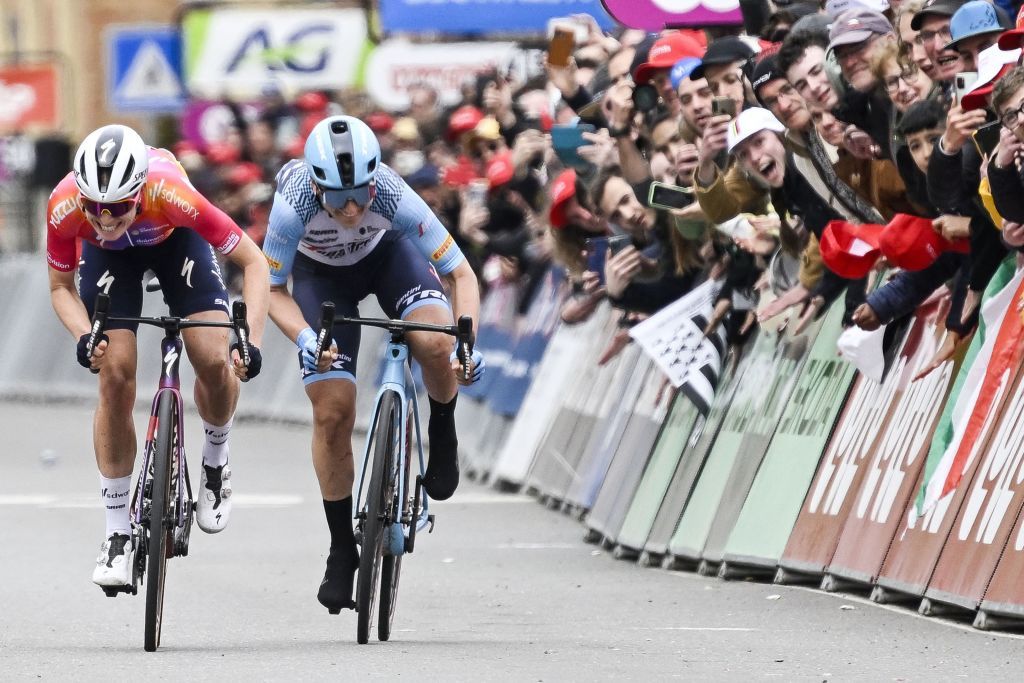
column 645, row 98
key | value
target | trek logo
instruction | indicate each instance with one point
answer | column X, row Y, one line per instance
column 170, row 196
column 305, row 50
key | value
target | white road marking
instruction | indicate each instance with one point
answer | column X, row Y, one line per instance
column 690, row 628
column 266, row 500
column 485, row 499
column 537, row 546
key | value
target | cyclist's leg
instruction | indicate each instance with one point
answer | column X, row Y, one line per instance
column 409, row 288
column 333, row 398
column 114, row 437
column 192, row 287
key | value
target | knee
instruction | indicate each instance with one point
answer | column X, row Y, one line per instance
column 212, row 370
column 117, row 388
column 435, row 350
column 334, row 420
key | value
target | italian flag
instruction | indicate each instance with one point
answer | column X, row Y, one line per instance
column 981, row 385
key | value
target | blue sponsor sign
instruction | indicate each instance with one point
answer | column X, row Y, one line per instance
column 517, row 372
column 477, row 17
column 144, row 69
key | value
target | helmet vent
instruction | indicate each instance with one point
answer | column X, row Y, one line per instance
column 371, row 166
column 339, row 127
column 319, row 173
column 347, row 169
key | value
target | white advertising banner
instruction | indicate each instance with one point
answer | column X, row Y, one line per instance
column 397, row 65
column 242, row 51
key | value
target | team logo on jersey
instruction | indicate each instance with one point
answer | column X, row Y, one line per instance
column 171, row 197
column 274, row 263
column 232, row 240
column 62, row 210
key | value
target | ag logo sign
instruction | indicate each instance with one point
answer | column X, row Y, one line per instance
column 654, row 15
column 242, row 51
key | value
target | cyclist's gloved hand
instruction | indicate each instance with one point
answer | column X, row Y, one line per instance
column 479, row 365
column 306, row 342
column 83, row 353
column 255, row 359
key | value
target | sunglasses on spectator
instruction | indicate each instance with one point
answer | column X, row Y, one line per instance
column 908, row 75
column 1011, row 119
column 112, row 209
column 335, row 200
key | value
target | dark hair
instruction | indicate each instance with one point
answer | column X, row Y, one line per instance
column 794, row 46
column 597, row 190
column 771, row 32
column 1006, row 88
column 923, row 115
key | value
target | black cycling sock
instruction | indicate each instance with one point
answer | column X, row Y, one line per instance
column 442, row 477
column 336, row 587
column 339, row 521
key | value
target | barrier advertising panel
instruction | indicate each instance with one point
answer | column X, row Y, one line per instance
column 30, row 97
column 702, row 437
column 629, row 370
column 757, row 435
column 664, row 461
column 1005, row 594
column 857, row 435
column 475, row 17
column 965, row 428
column 899, row 458
column 688, row 540
column 992, row 504
column 631, row 457
column 772, row 506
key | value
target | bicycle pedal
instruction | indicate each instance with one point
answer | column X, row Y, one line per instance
column 430, row 521
column 333, row 610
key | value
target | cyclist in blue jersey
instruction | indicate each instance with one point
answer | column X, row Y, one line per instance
column 343, row 226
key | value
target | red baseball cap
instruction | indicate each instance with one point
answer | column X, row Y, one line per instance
column 500, row 170
column 992, row 64
column 1014, row 37
column 562, row 190
column 244, row 173
column 911, row 243
column 463, row 120
column 380, row 122
column 665, row 52
column 311, row 101
column 850, row 250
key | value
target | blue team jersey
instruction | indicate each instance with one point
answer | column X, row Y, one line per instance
column 299, row 224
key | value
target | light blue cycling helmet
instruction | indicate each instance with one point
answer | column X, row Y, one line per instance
column 342, row 155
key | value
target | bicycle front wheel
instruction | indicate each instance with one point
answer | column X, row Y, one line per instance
column 161, row 518
column 379, row 495
column 391, row 565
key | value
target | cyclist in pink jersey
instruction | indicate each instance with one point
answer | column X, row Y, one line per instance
column 131, row 209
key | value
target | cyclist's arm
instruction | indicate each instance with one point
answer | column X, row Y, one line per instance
column 464, row 292
column 66, row 302
column 255, row 285
column 279, row 246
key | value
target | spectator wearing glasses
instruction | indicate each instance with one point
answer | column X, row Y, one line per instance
column 1003, row 169
column 932, row 24
column 909, row 46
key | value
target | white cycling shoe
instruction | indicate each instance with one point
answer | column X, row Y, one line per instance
column 213, row 509
column 114, row 564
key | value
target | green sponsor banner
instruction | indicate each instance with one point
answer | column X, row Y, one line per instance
column 664, row 460
column 751, row 393
column 775, row 499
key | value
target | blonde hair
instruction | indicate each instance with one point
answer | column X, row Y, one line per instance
column 882, row 58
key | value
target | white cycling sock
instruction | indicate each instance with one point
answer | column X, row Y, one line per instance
column 215, row 450
column 116, row 500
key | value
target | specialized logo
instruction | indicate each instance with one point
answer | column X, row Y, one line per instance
column 106, row 150
column 105, row 282
column 186, row 271
column 170, row 360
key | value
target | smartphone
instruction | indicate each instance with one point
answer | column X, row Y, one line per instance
column 665, row 196
column 723, row 105
column 987, row 137
column 597, row 252
column 566, row 138
column 617, row 243
column 963, row 82
column 476, row 192
column 561, row 47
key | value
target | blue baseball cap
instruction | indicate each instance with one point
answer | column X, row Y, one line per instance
column 681, row 70
column 976, row 18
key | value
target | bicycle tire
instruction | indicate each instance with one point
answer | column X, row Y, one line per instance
column 161, row 519
column 391, row 566
column 377, row 497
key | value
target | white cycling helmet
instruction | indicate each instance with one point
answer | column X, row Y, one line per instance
column 111, row 164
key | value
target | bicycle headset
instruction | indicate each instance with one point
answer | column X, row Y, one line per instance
column 342, row 155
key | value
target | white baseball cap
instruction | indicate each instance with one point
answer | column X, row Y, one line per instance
column 750, row 122
column 833, row 8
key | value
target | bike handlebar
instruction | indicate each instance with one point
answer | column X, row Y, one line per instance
column 463, row 331
column 170, row 324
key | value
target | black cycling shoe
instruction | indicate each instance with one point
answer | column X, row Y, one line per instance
column 442, row 476
column 336, row 588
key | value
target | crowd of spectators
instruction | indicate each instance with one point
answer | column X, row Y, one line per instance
column 795, row 166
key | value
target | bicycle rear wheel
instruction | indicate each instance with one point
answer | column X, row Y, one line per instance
column 161, row 518
column 378, row 503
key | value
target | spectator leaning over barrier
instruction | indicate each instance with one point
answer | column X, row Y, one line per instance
column 726, row 67
column 974, row 27
column 664, row 53
column 694, row 99
column 1004, row 167
column 130, row 208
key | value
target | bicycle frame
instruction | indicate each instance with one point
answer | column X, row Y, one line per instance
column 397, row 377
column 171, row 348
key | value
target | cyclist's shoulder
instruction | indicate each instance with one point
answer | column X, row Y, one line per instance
column 296, row 189
column 62, row 211
column 390, row 188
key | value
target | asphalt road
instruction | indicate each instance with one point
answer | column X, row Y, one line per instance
column 505, row 589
